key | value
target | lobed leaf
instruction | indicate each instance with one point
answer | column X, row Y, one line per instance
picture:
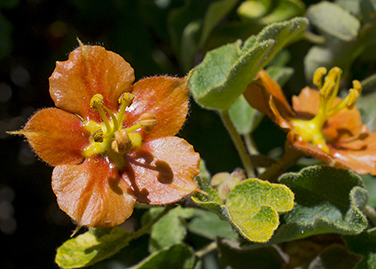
column 327, row 200
column 253, row 207
column 226, row 71
column 91, row 247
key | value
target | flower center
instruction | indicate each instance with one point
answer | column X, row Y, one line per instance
column 109, row 138
column 311, row 130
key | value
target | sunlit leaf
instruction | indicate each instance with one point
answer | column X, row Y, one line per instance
column 226, row 72
column 253, row 208
column 91, row 247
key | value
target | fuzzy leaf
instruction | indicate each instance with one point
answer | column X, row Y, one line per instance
column 209, row 200
column 170, row 229
column 177, row 256
column 209, row 225
column 332, row 19
column 91, row 247
column 328, row 200
column 253, row 207
column 226, row 71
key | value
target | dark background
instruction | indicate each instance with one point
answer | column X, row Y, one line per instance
column 33, row 35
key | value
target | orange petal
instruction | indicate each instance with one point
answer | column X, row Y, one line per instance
column 340, row 126
column 93, row 193
column 283, row 123
column 56, row 136
column 316, row 152
column 88, row 71
column 162, row 170
column 258, row 95
column 358, row 154
column 166, row 97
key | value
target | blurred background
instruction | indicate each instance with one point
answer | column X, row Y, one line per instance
column 34, row 34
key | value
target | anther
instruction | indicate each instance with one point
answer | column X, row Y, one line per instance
column 317, row 77
column 122, row 143
column 357, row 86
column 96, row 101
column 126, row 99
column 148, row 121
column 97, row 134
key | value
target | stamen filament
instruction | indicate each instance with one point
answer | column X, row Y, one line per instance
column 114, row 119
column 104, row 117
column 134, row 128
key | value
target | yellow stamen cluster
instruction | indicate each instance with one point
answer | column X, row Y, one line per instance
column 311, row 130
column 109, row 137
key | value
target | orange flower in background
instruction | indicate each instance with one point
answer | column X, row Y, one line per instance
column 112, row 143
column 320, row 124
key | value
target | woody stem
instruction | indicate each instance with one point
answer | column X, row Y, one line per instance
column 290, row 157
column 239, row 145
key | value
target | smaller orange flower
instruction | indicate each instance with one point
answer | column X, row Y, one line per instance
column 112, row 142
column 321, row 125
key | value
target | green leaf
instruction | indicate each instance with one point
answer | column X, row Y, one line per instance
column 370, row 183
column 334, row 20
column 364, row 244
column 177, row 256
column 280, row 74
column 209, row 225
column 286, row 9
column 253, row 207
column 234, row 256
column 243, row 116
column 209, row 200
column 328, row 200
column 226, row 72
column 216, row 12
column 91, row 247
column 335, row 257
column 170, row 229
column 191, row 25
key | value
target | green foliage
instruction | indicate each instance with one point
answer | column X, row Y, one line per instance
column 335, row 257
column 253, row 208
column 335, row 208
column 170, row 229
column 365, row 245
column 210, row 225
column 176, row 256
column 91, row 247
column 209, row 200
column 191, row 25
column 225, row 72
column 233, row 255
column 345, row 38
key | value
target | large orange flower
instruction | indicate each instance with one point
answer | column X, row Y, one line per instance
column 320, row 124
column 112, row 143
